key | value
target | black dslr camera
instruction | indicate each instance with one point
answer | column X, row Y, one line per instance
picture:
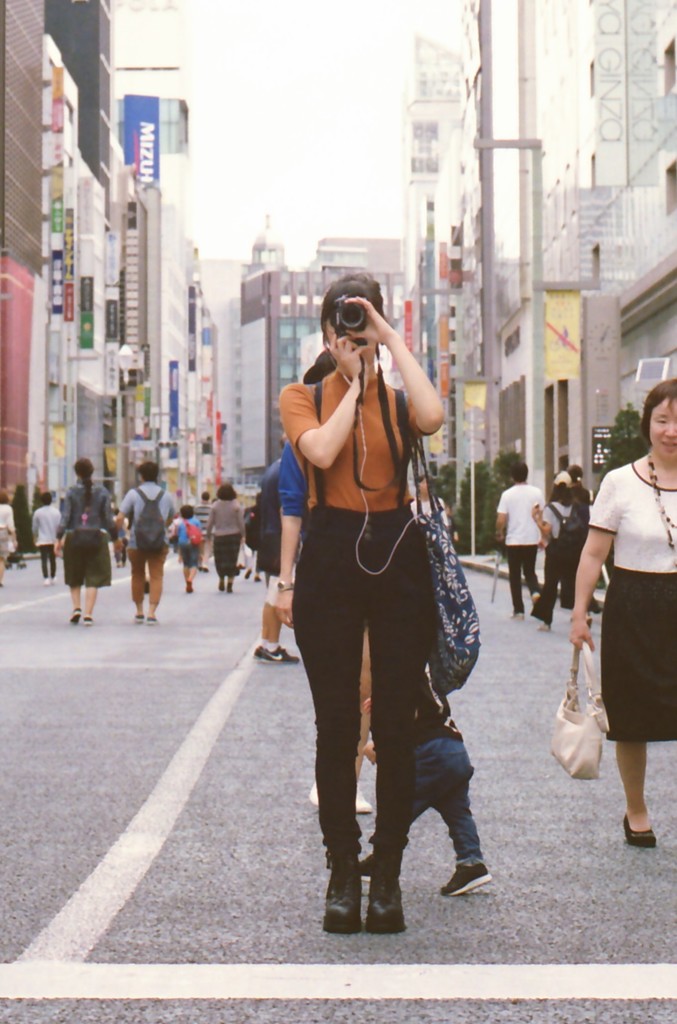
column 348, row 316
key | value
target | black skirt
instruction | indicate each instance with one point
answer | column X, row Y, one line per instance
column 226, row 549
column 639, row 656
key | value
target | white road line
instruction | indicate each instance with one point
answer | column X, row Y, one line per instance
column 379, row 982
column 83, row 920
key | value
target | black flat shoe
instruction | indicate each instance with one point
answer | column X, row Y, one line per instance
column 647, row 839
column 75, row 617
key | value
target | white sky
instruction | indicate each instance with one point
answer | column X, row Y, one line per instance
column 297, row 113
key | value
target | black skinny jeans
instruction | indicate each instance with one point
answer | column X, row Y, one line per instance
column 333, row 601
column 521, row 559
column 47, row 560
column 558, row 572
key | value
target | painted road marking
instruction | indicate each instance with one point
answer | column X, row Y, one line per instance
column 377, row 982
column 78, row 927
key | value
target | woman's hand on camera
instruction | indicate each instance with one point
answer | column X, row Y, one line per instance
column 348, row 357
column 377, row 330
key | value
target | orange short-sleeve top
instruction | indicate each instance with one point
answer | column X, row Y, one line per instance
column 298, row 412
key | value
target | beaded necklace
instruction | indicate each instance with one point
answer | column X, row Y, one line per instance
column 667, row 521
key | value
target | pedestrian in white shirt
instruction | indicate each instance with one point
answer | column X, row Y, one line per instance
column 515, row 525
column 45, row 524
column 7, row 533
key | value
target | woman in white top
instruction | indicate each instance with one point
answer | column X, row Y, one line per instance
column 7, row 532
column 636, row 510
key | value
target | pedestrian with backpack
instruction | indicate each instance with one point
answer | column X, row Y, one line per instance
column 149, row 510
column 189, row 536
column 564, row 527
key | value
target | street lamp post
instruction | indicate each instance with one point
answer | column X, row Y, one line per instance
column 535, row 146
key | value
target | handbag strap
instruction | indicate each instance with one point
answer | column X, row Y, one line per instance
column 590, row 673
column 420, row 470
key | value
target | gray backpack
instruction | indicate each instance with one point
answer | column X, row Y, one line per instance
column 149, row 527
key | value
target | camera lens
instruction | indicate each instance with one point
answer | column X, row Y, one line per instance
column 350, row 316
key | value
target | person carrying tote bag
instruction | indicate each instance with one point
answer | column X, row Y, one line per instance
column 577, row 737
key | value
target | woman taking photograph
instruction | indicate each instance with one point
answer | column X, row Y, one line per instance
column 85, row 518
column 636, row 510
column 363, row 564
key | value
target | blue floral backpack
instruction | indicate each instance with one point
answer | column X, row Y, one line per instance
column 457, row 639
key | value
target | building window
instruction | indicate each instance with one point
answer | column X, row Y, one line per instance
column 592, row 78
column 425, row 147
column 671, row 188
column 596, row 263
column 669, row 68
column 593, row 172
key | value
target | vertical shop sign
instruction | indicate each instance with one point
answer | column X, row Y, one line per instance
column 69, row 265
column 173, row 399
column 142, row 137
column 192, row 332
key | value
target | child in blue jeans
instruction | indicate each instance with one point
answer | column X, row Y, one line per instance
column 443, row 773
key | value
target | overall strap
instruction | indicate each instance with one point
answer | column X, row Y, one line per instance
column 403, row 427
column 317, row 472
column 559, row 515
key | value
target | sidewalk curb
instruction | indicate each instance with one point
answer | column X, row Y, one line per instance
column 488, row 568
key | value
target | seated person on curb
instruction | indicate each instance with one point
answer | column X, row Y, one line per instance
column 442, row 781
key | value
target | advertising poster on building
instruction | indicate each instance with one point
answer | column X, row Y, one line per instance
column 173, row 399
column 142, row 137
column 58, row 441
column 475, row 395
column 562, row 335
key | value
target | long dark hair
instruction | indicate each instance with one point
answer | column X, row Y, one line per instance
column 84, row 470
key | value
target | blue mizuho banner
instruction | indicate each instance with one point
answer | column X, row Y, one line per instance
column 142, row 137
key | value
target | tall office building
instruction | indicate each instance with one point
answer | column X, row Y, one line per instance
column 152, row 90
column 83, row 34
column 21, row 296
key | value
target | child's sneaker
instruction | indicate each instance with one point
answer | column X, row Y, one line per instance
column 465, row 878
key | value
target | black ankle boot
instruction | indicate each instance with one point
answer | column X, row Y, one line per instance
column 384, row 913
column 344, row 894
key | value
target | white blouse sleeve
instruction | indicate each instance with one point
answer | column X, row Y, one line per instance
column 607, row 510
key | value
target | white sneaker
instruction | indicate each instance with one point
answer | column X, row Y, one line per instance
column 52, row 582
column 46, row 583
column 544, row 628
column 362, row 805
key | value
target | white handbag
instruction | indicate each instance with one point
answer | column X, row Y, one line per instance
column 577, row 738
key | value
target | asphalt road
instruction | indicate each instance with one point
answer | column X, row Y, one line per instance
column 161, row 861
